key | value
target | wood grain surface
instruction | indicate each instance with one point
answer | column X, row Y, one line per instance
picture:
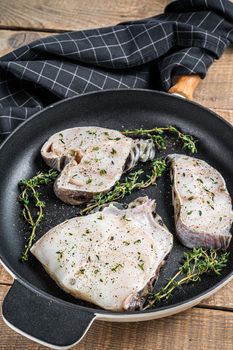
column 195, row 329
column 74, row 14
column 208, row 326
column 11, row 40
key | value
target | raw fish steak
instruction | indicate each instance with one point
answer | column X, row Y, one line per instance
column 202, row 204
column 92, row 160
column 110, row 258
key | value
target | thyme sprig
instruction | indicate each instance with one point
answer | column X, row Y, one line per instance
column 158, row 136
column 132, row 182
column 157, row 169
column 29, row 195
column 197, row 263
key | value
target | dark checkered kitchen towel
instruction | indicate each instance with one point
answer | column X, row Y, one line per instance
column 138, row 54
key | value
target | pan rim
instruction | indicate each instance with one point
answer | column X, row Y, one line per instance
column 162, row 93
column 97, row 312
column 118, row 314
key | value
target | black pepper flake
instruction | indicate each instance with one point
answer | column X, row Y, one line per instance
column 138, row 241
column 125, row 218
column 61, row 139
column 211, row 206
column 60, row 255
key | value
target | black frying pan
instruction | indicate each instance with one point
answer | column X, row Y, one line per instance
column 35, row 306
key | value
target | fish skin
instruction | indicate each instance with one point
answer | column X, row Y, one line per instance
column 96, row 257
column 202, row 204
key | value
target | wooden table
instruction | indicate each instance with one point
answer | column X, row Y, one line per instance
column 210, row 324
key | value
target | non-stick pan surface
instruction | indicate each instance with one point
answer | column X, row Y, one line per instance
column 122, row 109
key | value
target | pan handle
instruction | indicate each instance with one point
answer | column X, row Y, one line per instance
column 44, row 320
column 185, row 85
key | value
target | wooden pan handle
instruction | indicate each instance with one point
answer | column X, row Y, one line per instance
column 185, row 85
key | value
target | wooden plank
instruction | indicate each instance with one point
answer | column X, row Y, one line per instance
column 74, row 14
column 11, row 40
column 3, row 291
column 5, row 277
column 223, row 299
column 216, row 91
column 193, row 329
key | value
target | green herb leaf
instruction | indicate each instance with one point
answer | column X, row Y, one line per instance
column 29, row 197
column 141, row 266
column 158, row 136
column 91, row 132
column 114, row 139
column 197, row 263
column 61, row 138
column 103, row 172
column 131, row 183
column 117, row 266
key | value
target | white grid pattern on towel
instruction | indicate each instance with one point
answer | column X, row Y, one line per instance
column 184, row 40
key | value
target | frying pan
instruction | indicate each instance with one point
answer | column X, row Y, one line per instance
column 35, row 306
